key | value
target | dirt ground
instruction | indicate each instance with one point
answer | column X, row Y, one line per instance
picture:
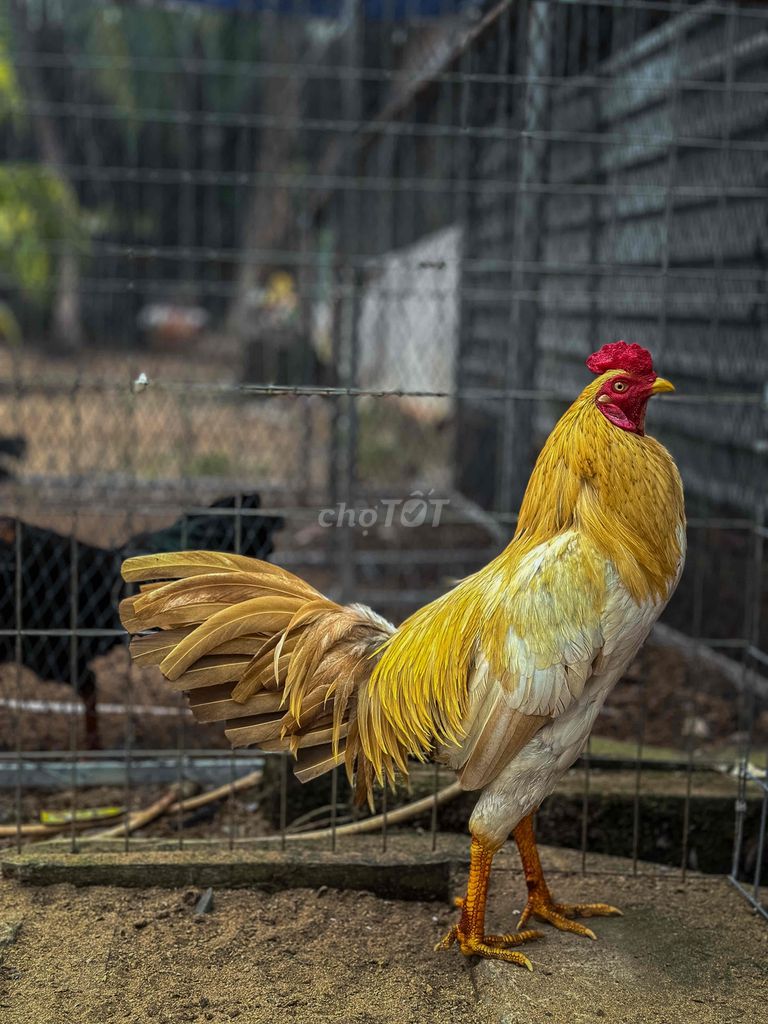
column 681, row 954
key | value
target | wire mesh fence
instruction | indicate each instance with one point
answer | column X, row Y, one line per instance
column 322, row 276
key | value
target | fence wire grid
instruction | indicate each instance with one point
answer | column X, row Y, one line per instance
column 312, row 281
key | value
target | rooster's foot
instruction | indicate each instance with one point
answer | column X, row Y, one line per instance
column 469, row 933
column 540, row 903
column 492, row 947
column 543, row 907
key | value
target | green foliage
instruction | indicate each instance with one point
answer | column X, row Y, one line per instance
column 209, row 464
column 11, row 102
column 142, row 61
column 112, row 71
column 38, row 213
column 10, row 331
column 141, row 56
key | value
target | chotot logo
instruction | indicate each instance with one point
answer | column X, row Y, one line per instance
column 418, row 509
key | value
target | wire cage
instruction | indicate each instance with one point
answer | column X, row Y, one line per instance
column 313, row 280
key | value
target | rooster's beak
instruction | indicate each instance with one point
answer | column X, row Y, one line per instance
column 660, row 385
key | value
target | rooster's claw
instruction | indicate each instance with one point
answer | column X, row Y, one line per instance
column 559, row 914
column 491, row 947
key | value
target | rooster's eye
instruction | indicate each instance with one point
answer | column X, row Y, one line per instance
column 620, row 385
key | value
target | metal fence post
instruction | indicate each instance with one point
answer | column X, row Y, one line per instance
column 534, row 45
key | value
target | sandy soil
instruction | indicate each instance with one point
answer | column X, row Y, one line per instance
column 691, row 953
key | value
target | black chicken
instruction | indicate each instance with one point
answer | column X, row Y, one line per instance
column 11, row 448
column 63, row 578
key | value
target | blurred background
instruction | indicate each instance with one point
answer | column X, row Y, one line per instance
column 298, row 275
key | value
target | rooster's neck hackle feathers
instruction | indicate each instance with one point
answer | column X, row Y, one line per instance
column 621, row 490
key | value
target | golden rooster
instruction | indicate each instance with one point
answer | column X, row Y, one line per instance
column 502, row 678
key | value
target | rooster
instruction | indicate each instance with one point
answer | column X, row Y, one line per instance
column 501, row 678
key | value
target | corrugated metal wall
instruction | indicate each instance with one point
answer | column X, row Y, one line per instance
column 645, row 218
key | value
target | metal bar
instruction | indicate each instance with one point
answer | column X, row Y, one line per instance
column 749, row 896
column 385, row 74
column 483, row 394
column 638, row 779
column 334, row 805
column 763, row 827
column 413, row 129
column 669, row 201
column 149, row 753
column 691, row 270
column 585, row 806
column 74, row 598
column 384, row 837
column 283, row 799
column 449, row 514
column 757, row 655
column 687, row 803
column 344, row 184
column 232, row 799
column 433, row 816
column 566, row 300
column 181, row 732
column 18, row 606
column 128, row 755
column 349, row 340
column 468, row 514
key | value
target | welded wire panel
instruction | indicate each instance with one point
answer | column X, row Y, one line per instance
column 314, row 272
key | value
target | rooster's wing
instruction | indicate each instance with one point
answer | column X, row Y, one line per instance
column 565, row 617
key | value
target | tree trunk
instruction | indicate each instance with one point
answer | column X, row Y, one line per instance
column 66, row 318
column 268, row 209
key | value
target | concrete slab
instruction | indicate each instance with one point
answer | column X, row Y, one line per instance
column 397, row 873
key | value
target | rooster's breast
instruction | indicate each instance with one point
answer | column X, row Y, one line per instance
column 522, row 785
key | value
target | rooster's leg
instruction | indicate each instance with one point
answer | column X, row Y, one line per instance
column 470, row 931
column 540, row 903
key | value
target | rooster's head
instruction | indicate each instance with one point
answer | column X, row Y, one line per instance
column 626, row 380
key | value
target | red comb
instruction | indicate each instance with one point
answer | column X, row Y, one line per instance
column 621, row 356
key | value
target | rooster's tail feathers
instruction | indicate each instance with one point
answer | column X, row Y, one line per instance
column 256, row 647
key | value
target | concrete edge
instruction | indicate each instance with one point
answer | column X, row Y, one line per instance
column 392, row 877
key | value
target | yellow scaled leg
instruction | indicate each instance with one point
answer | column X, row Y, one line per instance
column 540, row 903
column 469, row 933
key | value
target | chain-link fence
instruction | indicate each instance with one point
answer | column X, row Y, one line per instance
column 321, row 276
